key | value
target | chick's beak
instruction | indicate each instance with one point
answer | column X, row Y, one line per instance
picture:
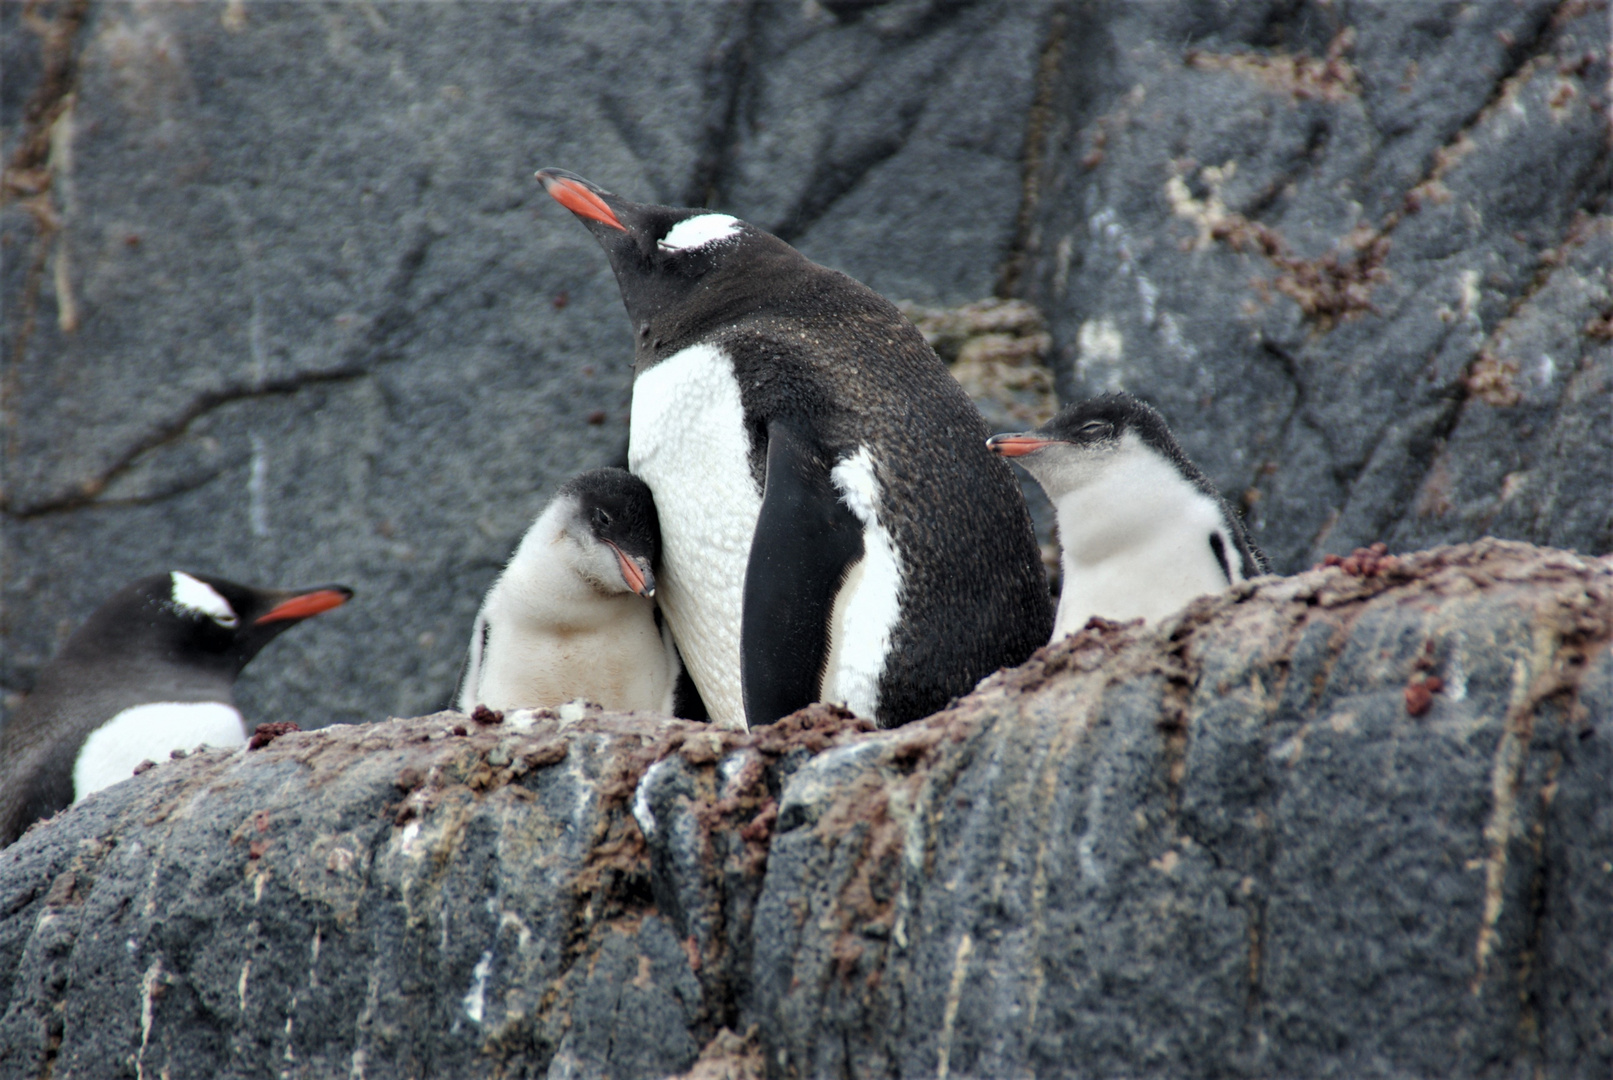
column 1016, row 445
column 635, row 571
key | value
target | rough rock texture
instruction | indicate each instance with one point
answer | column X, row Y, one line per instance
column 282, row 301
column 1357, row 253
column 1352, row 823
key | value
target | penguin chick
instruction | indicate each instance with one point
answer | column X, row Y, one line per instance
column 152, row 670
column 572, row 615
column 1143, row 531
column 834, row 528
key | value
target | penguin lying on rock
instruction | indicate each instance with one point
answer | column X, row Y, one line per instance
column 832, row 526
column 1142, row 530
column 152, row 670
column 571, row 616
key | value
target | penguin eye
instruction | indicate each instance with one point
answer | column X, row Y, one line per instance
column 229, row 622
column 602, row 516
column 1095, row 429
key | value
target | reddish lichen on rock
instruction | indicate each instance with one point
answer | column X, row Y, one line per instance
column 268, row 733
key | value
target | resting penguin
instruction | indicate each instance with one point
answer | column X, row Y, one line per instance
column 572, row 615
column 1143, row 531
column 152, row 670
column 832, row 525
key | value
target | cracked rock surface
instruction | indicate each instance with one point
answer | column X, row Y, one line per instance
column 1351, row 823
column 1358, row 255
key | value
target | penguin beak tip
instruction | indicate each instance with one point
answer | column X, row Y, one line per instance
column 306, row 605
column 578, row 196
column 636, row 572
column 1015, row 444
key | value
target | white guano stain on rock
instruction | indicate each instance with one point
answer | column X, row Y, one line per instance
column 475, row 999
column 641, row 801
column 949, row 1017
column 148, row 989
column 1102, row 351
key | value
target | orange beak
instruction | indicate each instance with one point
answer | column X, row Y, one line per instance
column 306, row 605
column 641, row 579
column 1016, row 445
column 578, row 199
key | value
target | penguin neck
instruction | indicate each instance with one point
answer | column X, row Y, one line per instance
column 770, row 279
column 1128, row 504
column 147, row 674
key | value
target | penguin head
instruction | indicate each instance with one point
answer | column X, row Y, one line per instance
column 668, row 260
column 197, row 620
column 614, row 529
column 1084, row 440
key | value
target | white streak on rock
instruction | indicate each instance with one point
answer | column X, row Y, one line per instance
column 475, row 998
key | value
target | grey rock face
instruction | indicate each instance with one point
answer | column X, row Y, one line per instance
column 1256, row 841
column 1243, row 845
column 282, row 300
column 1356, row 254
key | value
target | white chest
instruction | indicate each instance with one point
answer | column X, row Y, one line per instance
column 1136, row 544
column 616, row 658
column 687, row 441
column 150, row 732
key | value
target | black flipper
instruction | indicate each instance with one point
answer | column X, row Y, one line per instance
column 805, row 541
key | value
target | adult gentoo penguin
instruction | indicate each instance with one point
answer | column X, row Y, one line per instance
column 571, row 616
column 1143, row 531
column 832, row 525
column 152, row 670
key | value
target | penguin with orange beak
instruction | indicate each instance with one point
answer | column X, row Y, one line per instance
column 833, row 527
column 1141, row 529
column 573, row 614
column 152, row 670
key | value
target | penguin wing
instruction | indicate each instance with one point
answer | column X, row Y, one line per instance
column 806, row 540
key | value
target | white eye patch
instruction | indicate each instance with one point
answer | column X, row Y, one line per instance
column 697, row 232
column 192, row 596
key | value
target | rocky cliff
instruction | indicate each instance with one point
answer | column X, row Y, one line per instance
column 1352, row 823
column 282, row 302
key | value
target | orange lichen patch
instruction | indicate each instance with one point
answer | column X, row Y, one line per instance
column 1335, row 287
column 1331, row 78
column 1330, row 288
column 1420, row 693
column 1362, row 562
column 863, row 816
column 729, row 1057
column 265, row 734
column 1491, row 380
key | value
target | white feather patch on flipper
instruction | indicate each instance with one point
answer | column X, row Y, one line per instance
column 687, row 441
column 149, row 732
column 198, row 597
column 697, row 232
column 868, row 605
